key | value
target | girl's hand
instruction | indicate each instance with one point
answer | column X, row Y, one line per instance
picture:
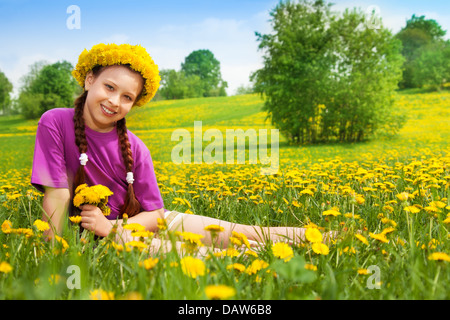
column 93, row 219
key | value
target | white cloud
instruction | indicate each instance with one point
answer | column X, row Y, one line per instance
column 233, row 43
column 20, row 66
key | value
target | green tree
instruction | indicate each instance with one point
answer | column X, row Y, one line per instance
column 176, row 85
column 431, row 66
column 366, row 72
column 418, row 37
column 5, row 93
column 203, row 64
column 242, row 89
column 326, row 76
column 47, row 86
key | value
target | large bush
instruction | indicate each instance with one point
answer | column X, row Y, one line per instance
column 328, row 76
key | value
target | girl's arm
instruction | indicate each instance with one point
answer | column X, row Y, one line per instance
column 94, row 220
column 55, row 204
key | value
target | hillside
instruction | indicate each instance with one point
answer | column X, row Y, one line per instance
column 427, row 129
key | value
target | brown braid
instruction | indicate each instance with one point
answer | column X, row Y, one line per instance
column 80, row 137
column 131, row 206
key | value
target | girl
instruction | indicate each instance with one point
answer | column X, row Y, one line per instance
column 91, row 144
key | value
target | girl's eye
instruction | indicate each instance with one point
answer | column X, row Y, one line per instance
column 129, row 98
column 109, row 87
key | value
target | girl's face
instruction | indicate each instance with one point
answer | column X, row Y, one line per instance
column 111, row 95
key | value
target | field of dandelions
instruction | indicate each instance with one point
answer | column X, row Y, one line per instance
column 387, row 198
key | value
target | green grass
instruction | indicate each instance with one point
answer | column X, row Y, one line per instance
column 417, row 162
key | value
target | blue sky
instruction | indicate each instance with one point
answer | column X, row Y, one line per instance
column 34, row 30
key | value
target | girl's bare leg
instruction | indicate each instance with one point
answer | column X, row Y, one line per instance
column 196, row 224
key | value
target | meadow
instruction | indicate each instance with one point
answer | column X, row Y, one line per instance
column 388, row 199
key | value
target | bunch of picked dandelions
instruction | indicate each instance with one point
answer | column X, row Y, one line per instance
column 96, row 195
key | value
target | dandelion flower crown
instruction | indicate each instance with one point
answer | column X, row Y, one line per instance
column 113, row 54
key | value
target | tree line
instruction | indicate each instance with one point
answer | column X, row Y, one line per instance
column 48, row 86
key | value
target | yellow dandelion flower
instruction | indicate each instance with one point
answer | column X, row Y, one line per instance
column 412, row 209
column 136, row 244
column 78, row 200
column 238, row 239
column 134, row 227
column 387, row 230
column 75, row 219
column 214, row 228
column 25, row 231
column 331, row 212
column 236, row 266
column 149, row 263
column 256, row 266
column 219, row 292
column 100, row 294
column 80, row 188
column 283, row 251
column 363, row 271
column 431, row 209
column 142, row 234
column 230, row 252
column 89, row 196
column 7, row 226
column 41, row 225
column 307, row 191
column 311, row 225
column 313, row 235
column 94, row 195
column 380, row 237
column 191, row 237
column 102, row 191
column 297, row 204
column 439, row 256
column 5, row 267
column 161, row 223
column 360, row 199
column 362, row 239
column 62, row 241
column 404, row 196
column 438, row 204
column 118, row 247
column 251, row 253
column 309, row 266
column 192, row 267
column 320, row 248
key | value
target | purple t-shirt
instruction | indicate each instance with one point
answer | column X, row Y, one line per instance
column 56, row 161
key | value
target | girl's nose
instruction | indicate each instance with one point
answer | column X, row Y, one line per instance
column 114, row 99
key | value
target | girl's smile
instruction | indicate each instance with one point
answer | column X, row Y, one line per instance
column 111, row 95
column 107, row 111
